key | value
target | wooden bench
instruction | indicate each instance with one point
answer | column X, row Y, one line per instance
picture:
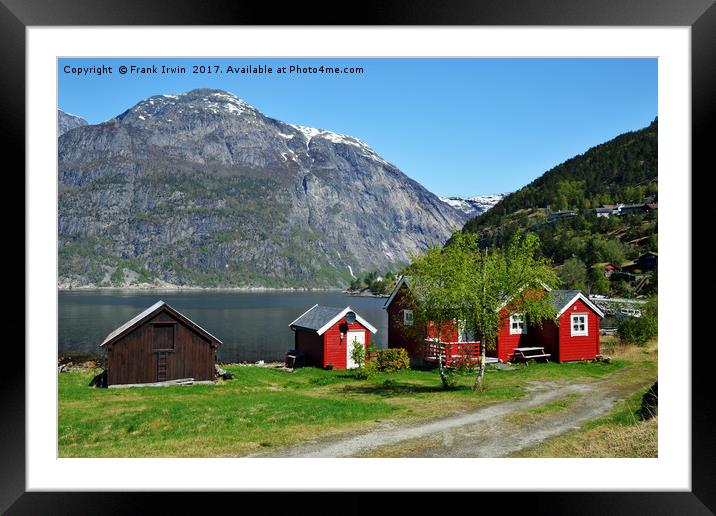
column 525, row 354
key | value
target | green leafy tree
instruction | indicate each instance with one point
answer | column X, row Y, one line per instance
column 438, row 290
column 463, row 282
column 598, row 283
column 574, row 273
column 490, row 278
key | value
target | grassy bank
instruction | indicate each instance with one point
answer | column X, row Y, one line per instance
column 267, row 408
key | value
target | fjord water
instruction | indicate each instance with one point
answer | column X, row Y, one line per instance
column 252, row 325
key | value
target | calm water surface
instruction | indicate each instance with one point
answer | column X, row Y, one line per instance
column 253, row 326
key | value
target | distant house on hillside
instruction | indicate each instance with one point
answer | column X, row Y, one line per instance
column 606, row 211
column 610, row 268
column 558, row 215
column 645, row 263
column 575, row 335
column 628, row 209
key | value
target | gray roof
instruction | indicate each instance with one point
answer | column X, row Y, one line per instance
column 317, row 317
column 146, row 313
column 561, row 297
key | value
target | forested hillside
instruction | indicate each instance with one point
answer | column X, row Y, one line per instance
column 563, row 207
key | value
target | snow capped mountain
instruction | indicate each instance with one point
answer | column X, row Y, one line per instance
column 473, row 206
column 200, row 188
column 166, row 108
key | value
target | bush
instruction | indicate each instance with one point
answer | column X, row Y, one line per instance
column 450, row 378
column 394, row 359
column 358, row 354
column 365, row 372
column 639, row 330
column 464, row 366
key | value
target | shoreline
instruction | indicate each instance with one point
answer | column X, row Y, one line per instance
column 176, row 288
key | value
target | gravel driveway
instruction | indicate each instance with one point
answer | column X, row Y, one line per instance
column 487, row 432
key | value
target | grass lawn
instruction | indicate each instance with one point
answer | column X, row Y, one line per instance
column 264, row 407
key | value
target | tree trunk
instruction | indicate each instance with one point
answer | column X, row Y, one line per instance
column 481, row 369
column 485, row 340
column 443, row 377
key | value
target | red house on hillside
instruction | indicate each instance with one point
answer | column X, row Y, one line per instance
column 325, row 335
column 574, row 336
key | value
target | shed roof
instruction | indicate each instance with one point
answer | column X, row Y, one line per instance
column 320, row 318
column 404, row 280
column 156, row 307
column 563, row 299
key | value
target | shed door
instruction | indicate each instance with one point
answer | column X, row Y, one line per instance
column 353, row 337
column 163, row 344
column 163, row 337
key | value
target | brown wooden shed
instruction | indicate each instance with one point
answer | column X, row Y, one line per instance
column 158, row 345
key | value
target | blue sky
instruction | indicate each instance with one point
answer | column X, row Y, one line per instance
column 458, row 126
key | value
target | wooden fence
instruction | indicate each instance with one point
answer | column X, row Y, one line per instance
column 452, row 353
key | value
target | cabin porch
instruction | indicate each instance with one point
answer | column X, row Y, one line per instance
column 453, row 353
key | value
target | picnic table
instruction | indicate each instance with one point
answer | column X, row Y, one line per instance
column 525, row 354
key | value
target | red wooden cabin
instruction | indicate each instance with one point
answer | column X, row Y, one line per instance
column 453, row 345
column 158, row 345
column 575, row 335
column 325, row 335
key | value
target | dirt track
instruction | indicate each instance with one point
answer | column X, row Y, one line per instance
column 493, row 431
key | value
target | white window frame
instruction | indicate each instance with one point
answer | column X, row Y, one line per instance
column 579, row 333
column 519, row 318
column 408, row 317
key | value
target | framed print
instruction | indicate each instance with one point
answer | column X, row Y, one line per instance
column 257, row 260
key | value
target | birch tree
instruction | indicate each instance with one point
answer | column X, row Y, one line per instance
column 437, row 291
column 463, row 283
column 495, row 278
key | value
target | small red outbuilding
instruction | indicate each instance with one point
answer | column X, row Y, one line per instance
column 325, row 335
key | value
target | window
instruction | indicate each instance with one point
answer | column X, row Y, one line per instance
column 408, row 317
column 163, row 336
column 579, row 325
column 517, row 324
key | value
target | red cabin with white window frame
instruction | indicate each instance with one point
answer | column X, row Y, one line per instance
column 574, row 335
column 325, row 335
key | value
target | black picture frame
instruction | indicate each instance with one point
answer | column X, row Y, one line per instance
column 16, row 15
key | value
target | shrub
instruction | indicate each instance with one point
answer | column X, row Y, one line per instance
column 450, row 379
column 358, row 354
column 394, row 359
column 464, row 366
column 365, row 372
column 639, row 330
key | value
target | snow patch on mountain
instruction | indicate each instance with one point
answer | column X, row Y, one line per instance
column 473, row 206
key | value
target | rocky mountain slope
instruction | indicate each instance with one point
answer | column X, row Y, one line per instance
column 473, row 206
column 202, row 189
column 67, row 121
